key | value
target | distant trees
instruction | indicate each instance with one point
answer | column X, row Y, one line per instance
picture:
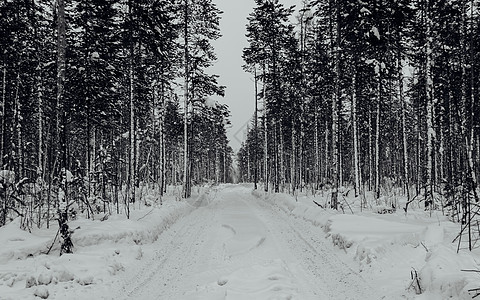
column 369, row 94
column 90, row 104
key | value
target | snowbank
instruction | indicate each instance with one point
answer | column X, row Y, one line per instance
column 300, row 209
column 393, row 249
column 102, row 249
column 442, row 274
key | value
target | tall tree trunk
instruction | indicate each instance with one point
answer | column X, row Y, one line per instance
column 282, row 163
column 418, row 156
column 40, row 160
column 162, row 143
column 377, row 133
column 301, row 173
column 131, row 159
column 191, row 146
column 186, row 156
column 61, row 129
column 370, row 149
column 293, row 177
column 255, row 159
column 441, row 150
column 317, row 148
column 61, row 65
column 340, row 149
column 404, row 129
column 463, row 103
column 429, row 111
column 248, row 159
column 471, row 140
column 265, row 129
column 335, row 105
column 137, row 153
column 303, row 41
column 463, row 126
column 355, row 132
column 91, row 156
column 430, row 184
column 2, row 138
column 327, row 148
column 217, row 165
column 451, row 170
column 17, row 133
column 17, row 117
column 275, row 155
column 40, row 116
column 225, row 163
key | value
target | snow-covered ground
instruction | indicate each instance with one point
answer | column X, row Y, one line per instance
column 230, row 243
column 395, row 249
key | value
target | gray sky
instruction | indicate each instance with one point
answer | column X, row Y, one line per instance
column 240, row 88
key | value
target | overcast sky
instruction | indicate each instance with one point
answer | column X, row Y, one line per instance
column 240, row 95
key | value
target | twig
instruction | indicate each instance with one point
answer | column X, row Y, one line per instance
column 348, row 204
column 414, row 276
column 51, row 246
column 467, row 223
column 145, row 215
column 318, row 204
column 15, row 210
column 426, row 249
column 476, row 290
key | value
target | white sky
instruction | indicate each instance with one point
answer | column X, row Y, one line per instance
column 240, row 95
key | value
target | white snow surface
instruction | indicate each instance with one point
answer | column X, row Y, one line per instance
column 231, row 243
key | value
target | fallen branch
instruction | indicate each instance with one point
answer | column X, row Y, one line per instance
column 145, row 215
column 476, row 291
column 426, row 249
column 477, row 271
column 318, row 204
column 53, row 243
column 348, row 204
column 415, row 282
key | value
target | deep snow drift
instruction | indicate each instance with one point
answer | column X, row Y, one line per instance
column 230, row 243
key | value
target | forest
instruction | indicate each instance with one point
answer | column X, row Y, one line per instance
column 102, row 100
column 105, row 99
column 373, row 95
column 357, row 179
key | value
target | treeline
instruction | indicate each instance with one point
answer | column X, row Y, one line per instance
column 372, row 94
column 100, row 98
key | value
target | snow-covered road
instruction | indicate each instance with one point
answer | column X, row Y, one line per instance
column 237, row 246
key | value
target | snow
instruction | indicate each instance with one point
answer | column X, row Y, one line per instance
column 68, row 175
column 41, row 292
column 102, row 250
column 365, row 10
column 7, row 177
column 231, row 243
column 352, row 229
column 376, row 32
column 95, row 55
column 387, row 248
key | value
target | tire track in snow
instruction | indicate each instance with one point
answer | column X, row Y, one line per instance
column 163, row 271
